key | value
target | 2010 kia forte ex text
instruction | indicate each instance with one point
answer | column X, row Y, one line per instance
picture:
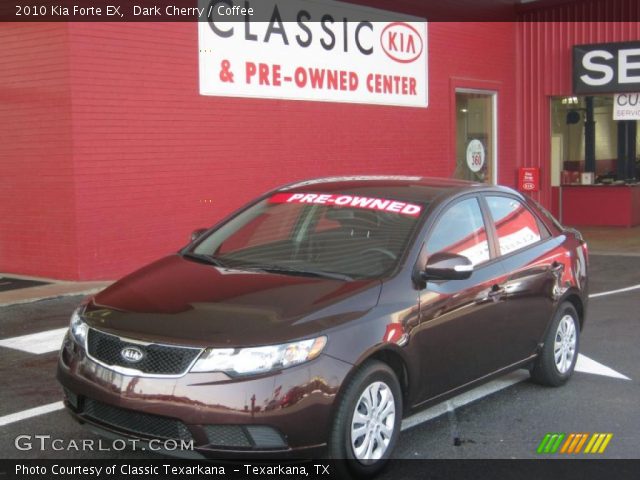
column 320, row 314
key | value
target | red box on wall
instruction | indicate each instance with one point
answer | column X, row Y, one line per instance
column 529, row 179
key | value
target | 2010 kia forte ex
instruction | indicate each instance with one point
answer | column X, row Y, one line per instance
column 325, row 311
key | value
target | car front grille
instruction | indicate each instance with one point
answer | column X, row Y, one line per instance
column 227, row 436
column 156, row 360
column 245, row 437
column 140, row 423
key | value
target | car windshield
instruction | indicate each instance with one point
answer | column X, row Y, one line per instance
column 334, row 235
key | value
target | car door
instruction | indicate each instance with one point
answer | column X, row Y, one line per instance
column 534, row 262
column 461, row 336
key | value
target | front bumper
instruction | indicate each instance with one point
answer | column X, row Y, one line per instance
column 282, row 413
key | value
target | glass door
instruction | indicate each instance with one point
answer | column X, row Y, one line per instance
column 476, row 135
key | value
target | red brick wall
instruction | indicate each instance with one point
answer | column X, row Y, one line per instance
column 37, row 194
column 152, row 159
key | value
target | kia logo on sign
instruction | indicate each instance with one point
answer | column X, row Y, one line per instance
column 401, row 42
column 132, row 354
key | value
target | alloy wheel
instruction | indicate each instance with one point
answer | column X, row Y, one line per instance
column 373, row 422
column 564, row 348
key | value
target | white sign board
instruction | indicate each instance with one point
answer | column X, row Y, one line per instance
column 626, row 106
column 475, row 155
column 313, row 50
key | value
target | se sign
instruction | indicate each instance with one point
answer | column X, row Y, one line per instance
column 606, row 68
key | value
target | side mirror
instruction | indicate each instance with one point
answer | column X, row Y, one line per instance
column 447, row 266
column 196, row 234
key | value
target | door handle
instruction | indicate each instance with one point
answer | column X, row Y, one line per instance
column 496, row 292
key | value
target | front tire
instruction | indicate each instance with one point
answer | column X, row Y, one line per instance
column 367, row 422
column 557, row 360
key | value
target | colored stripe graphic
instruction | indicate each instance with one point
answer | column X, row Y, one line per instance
column 605, row 444
column 598, row 443
column 570, row 439
column 573, row 443
column 550, row 443
column 543, row 443
column 582, row 441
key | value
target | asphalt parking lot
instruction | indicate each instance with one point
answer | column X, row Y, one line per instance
column 505, row 419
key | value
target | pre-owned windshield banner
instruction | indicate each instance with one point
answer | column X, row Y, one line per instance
column 353, row 201
column 312, row 50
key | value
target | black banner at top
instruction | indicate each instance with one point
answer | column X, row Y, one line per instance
column 193, row 10
column 261, row 11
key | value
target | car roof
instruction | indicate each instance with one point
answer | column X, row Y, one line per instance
column 401, row 187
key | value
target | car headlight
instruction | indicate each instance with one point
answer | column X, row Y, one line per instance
column 244, row 361
column 78, row 328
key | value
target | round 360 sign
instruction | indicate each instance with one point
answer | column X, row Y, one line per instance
column 475, row 155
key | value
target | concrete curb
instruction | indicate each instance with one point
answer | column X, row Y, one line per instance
column 53, row 290
column 614, row 254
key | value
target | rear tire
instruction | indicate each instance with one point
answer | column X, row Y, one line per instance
column 367, row 422
column 557, row 360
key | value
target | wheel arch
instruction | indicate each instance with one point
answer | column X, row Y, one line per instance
column 397, row 363
column 394, row 360
column 574, row 299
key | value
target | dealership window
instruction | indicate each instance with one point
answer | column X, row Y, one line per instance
column 585, row 138
column 476, row 134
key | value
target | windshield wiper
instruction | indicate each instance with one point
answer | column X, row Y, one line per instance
column 296, row 271
column 201, row 257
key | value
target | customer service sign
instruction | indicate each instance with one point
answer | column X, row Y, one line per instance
column 312, row 50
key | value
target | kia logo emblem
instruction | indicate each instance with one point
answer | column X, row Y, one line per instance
column 132, row 354
column 401, row 42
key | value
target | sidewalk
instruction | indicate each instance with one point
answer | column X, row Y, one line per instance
column 57, row 288
column 612, row 240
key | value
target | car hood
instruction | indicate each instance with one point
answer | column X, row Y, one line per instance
column 177, row 300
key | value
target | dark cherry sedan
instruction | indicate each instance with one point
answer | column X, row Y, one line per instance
column 325, row 311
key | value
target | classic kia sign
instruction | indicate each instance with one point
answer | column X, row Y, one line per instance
column 310, row 50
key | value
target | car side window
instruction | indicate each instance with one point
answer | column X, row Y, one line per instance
column 516, row 226
column 461, row 230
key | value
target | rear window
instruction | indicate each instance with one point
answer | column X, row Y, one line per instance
column 356, row 236
column 516, row 226
column 547, row 214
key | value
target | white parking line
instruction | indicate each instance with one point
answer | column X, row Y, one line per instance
column 32, row 412
column 587, row 365
column 41, row 342
column 611, row 292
